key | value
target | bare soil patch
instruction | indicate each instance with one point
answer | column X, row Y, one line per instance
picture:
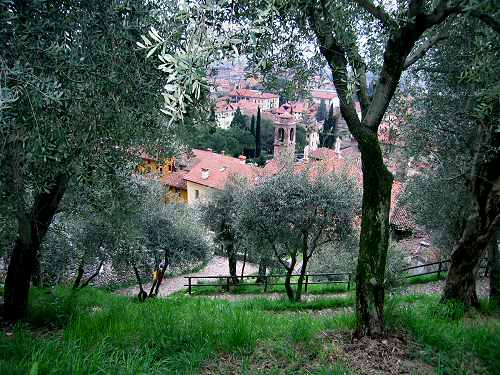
column 395, row 354
column 392, row 355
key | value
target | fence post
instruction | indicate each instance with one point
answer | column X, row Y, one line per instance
column 265, row 283
column 189, row 283
column 439, row 270
column 348, row 281
column 307, row 281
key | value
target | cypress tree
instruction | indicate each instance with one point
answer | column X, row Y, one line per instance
column 327, row 136
column 258, row 144
column 239, row 120
column 321, row 114
column 252, row 125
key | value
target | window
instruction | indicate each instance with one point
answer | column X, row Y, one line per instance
column 281, row 134
column 196, row 194
column 291, row 135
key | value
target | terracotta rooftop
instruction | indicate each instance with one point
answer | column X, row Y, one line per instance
column 253, row 94
column 323, row 95
column 223, row 106
column 247, row 107
column 175, row 179
column 400, row 218
column 323, row 153
column 217, row 169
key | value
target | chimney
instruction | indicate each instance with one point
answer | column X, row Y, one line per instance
column 209, row 150
column 205, row 172
column 242, row 158
column 222, row 152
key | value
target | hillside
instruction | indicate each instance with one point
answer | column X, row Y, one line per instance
column 92, row 332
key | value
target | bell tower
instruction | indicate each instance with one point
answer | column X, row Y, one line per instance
column 284, row 137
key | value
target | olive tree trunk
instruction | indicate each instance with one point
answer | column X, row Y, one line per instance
column 481, row 224
column 32, row 228
column 399, row 53
column 261, row 278
column 494, row 268
column 374, row 240
column 79, row 275
column 232, row 260
column 288, row 279
column 300, row 281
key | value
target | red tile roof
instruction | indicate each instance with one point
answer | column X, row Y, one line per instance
column 245, row 93
column 323, row 95
column 323, row 153
column 223, row 106
column 247, row 107
column 175, row 179
column 220, row 168
column 400, row 217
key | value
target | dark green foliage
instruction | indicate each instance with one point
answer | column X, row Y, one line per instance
column 267, row 136
column 328, row 135
column 234, row 141
column 300, row 139
column 258, row 141
column 321, row 114
column 239, row 120
column 252, row 125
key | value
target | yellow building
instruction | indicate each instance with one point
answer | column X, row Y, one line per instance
column 204, row 172
column 150, row 164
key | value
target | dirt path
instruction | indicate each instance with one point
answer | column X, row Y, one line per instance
column 216, row 266
column 436, row 287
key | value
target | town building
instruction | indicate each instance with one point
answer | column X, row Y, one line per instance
column 329, row 97
column 284, row 136
column 202, row 172
column 224, row 113
column 264, row 100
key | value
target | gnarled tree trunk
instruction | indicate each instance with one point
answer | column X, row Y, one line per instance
column 374, row 240
column 288, row 287
column 79, row 275
column 261, row 278
column 32, row 229
column 481, row 224
column 232, row 259
column 494, row 268
column 300, row 282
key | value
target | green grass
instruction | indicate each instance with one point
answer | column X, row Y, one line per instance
column 425, row 278
column 455, row 340
column 94, row 332
column 285, row 305
column 249, row 287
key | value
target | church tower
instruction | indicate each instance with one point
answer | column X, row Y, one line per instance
column 284, row 137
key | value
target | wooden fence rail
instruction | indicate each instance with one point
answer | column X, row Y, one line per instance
column 347, row 277
column 266, row 283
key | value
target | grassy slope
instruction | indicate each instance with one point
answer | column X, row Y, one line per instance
column 94, row 332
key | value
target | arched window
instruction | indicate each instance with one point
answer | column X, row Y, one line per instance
column 291, row 135
column 281, row 134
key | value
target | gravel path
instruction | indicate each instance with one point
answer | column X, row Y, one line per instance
column 436, row 287
column 217, row 266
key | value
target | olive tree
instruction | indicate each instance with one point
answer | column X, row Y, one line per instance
column 173, row 232
column 398, row 35
column 220, row 214
column 298, row 212
column 455, row 127
column 76, row 97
